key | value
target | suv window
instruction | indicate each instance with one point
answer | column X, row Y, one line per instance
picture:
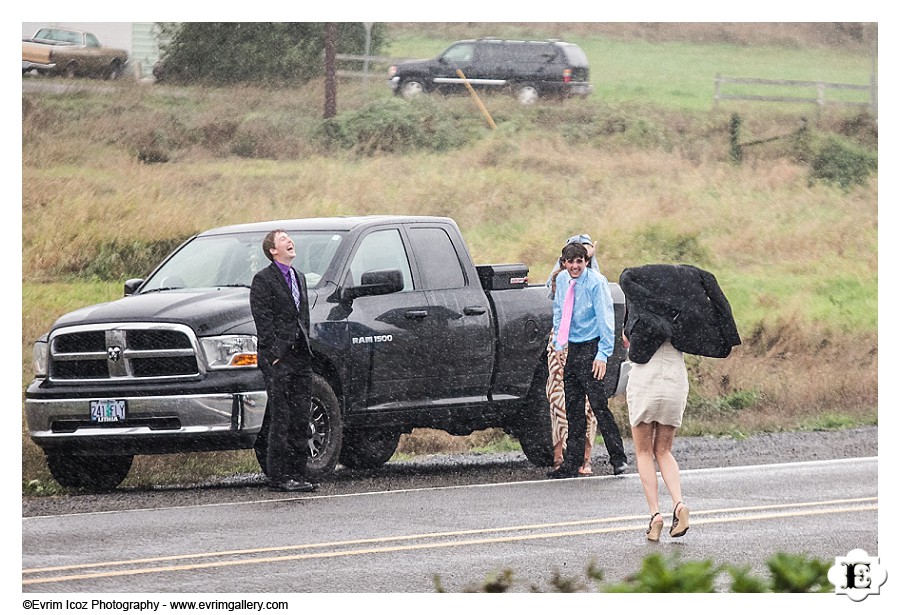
column 493, row 53
column 575, row 55
column 531, row 52
column 460, row 53
column 438, row 262
column 381, row 250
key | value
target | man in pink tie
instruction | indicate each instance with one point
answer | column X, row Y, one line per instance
column 584, row 321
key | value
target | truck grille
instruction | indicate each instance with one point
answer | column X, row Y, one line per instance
column 123, row 351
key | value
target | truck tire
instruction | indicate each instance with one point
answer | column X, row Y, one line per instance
column 367, row 450
column 115, row 70
column 89, row 472
column 327, row 432
column 532, row 425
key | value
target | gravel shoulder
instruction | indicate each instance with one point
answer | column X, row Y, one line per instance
column 464, row 469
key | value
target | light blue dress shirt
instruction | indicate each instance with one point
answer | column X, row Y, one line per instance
column 593, row 316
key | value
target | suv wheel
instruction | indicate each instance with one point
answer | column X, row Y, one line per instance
column 527, row 94
column 411, row 88
column 89, row 472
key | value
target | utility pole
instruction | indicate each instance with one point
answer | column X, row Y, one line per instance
column 330, row 70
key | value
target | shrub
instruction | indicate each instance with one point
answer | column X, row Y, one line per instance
column 397, row 126
column 842, row 163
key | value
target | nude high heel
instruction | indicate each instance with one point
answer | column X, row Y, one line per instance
column 655, row 529
column 680, row 521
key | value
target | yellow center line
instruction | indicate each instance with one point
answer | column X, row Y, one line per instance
column 341, row 543
column 437, row 545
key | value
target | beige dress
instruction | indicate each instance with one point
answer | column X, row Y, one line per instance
column 657, row 390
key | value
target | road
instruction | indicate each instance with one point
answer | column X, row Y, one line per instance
column 402, row 540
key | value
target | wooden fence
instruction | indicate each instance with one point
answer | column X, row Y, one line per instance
column 364, row 67
column 821, row 99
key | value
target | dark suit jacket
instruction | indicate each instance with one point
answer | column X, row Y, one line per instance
column 280, row 327
column 678, row 302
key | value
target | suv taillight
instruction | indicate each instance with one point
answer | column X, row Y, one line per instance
column 567, row 75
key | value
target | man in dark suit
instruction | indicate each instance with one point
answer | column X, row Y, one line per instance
column 280, row 309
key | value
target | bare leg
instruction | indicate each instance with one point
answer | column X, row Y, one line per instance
column 643, row 436
column 668, row 466
column 589, row 439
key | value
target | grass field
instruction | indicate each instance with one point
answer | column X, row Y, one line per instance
column 643, row 165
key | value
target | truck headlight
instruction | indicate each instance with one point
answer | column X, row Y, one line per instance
column 39, row 358
column 229, row 351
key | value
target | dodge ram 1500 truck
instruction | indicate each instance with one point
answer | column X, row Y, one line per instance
column 405, row 330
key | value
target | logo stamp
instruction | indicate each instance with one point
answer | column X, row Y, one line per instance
column 857, row 575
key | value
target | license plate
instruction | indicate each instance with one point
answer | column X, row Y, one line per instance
column 107, row 410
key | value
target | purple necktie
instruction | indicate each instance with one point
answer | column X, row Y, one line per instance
column 295, row 289
column 562, row 337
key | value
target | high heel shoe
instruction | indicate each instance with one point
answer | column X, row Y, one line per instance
column 680, row 522
column 655, row 529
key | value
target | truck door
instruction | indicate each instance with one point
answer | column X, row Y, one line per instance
column 388, row 333
column 462, row 338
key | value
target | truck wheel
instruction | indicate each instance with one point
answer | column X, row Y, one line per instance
column 89, row 472
column 114, row 71
column 71, row 70
column 532, row 426
column 368, row 449
column 411, row 88
column 326, row 427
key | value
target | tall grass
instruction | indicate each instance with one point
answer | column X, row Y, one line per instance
column 796, row 256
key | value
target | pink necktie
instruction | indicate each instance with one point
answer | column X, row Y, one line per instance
column 562, row 337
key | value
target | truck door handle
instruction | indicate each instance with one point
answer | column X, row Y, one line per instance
column 411, row 314
column 474, row 310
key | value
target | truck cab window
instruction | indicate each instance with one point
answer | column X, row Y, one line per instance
column 381, row 250
column 437, row 257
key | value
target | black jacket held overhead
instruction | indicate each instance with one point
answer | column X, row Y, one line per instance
column 678, row 302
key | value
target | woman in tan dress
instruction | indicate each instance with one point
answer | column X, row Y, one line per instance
column 657, row 395
column 670, row 309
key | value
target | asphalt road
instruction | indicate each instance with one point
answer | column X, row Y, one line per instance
column 402, row 540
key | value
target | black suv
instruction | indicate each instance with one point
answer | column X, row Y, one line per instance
column 530, row 69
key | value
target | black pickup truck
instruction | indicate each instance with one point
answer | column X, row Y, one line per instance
column 406, row 332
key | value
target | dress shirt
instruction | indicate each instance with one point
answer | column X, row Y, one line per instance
column 286, row 272
column 593, row 316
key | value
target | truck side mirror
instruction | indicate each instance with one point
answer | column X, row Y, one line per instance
column 375, row 282
column 132, row 285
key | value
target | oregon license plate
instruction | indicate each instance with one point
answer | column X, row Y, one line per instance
column 108, row 410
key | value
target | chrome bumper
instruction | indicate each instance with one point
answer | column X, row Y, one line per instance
column 196, row 416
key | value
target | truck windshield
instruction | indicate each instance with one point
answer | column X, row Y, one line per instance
column 233, row 260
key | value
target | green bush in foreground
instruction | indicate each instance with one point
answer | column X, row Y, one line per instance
column 660, row 574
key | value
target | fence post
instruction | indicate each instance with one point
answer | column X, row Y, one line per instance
column 735, row 151
column 716, row 94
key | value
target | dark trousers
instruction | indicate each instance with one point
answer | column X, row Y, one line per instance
column 285, row 427
column 578, row 379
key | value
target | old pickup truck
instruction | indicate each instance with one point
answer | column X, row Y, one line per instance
column 60, row 51
column 406, row 332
